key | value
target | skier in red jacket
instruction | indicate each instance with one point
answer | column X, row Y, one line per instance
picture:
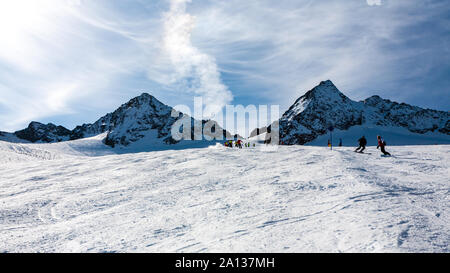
column 381, row 145
column 239, row 144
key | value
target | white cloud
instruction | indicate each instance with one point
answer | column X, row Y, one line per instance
column 191, row 63
column 374, row 2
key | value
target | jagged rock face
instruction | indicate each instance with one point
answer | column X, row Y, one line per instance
column 130, row 122
column 133, row 121
column 313, row 113
column 324, row 106
column 38, row 132
column 415, row 119
column 125, row 124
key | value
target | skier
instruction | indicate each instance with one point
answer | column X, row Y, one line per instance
column 382, row 144
column 239, row 144
column 340, row 142
column 362, row 144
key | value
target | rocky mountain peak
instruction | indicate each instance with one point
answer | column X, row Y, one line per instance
column 39, row 132
column 374, row 101
column 325, row 90
column 142, row 117
column 324, row 105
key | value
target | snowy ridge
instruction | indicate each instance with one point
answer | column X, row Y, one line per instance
column 41, row 133
column 140, row 114
column 324, row 106
column 10, row 137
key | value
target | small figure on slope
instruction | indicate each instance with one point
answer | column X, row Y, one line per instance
column 239, row 144
column 381, row 145
column 362, row 144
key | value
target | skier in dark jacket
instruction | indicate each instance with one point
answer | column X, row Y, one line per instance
column 381, row 145
column 362, row 144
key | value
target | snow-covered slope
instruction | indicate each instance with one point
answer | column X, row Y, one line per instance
column 393, row 135
column 10, row 137
column 324, row 106
column 218, row 199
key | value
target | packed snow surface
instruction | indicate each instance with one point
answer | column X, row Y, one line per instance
column 82, row 196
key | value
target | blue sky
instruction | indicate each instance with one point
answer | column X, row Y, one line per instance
column 72, row 61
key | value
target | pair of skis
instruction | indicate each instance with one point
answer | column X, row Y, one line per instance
column 371, row 153
column 362, row 153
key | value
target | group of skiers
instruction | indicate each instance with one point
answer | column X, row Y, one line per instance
column 363, row 142
column 238, row 143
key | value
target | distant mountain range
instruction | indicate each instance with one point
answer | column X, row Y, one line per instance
column 144, row 118
column 325, row 106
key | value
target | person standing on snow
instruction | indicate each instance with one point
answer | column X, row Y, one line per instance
column 362, row 144
column 382, row 144
column 239, row 144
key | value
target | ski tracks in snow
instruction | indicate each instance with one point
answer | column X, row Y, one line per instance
column 410, row 195
column 291, row 199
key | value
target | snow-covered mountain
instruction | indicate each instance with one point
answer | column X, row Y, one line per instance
column 145, row 120
column 142, row 118
column 137, row 119
column 313, row 113
column 38, row 132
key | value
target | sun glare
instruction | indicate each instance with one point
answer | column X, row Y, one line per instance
column 22, row 15
column 22, row 24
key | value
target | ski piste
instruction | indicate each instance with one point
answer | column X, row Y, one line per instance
column 163, row 200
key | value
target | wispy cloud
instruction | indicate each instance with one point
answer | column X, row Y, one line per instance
column 189, row 62
column 51, row 59
column 374, row 2
column 280, row 51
